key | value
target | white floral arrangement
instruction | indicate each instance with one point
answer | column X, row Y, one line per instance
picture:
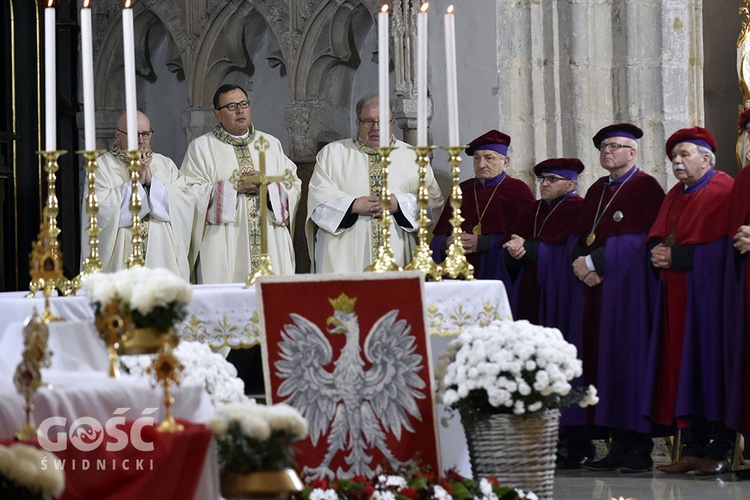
column 154, row 298
column 511, row 367
column 27, row 472
column 203, row 367
column 253, row 437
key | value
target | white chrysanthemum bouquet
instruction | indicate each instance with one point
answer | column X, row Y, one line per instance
column 511, row 367
column 26, row 472
column 253, row 437
column 152, row 298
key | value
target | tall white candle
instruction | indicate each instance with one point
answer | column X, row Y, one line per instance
column 87, row 62
column 422, row 75
column 50, row 79
column 452, row 87
column 131, row 106
column 383, row 92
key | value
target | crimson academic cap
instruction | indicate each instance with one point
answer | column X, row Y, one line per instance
column 564, row 167
column 697, row 135
column 494, row 140
column 618, row 130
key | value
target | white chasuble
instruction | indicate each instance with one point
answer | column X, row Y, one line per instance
column 344, row 171
column 226, row 232
column 167, row 209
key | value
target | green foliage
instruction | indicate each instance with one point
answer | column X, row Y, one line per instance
column 240, row 453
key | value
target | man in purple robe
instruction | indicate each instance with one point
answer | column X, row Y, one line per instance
column 612, row 307
column 687, row 360
column 535, row 253
column 491, row 202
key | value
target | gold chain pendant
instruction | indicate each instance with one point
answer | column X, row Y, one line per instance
column 477, row 229
column 590, row 239
column 669, row 241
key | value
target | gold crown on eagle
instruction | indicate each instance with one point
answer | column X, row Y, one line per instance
column 343, row 303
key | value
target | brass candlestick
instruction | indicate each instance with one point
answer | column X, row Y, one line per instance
column 167, row 369
column 263, row 267
column 28, row 376
column 423, row 256
column 134, row 166
column 456, row 265
column 384, row 261
column 45, row 260
column 92, row 264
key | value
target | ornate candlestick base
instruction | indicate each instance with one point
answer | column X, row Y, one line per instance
column 92, row 264
column 167, row 369
column 264, row 268
column 422, row 260
column 456, row 265
column 384, row 261
column 136, row 258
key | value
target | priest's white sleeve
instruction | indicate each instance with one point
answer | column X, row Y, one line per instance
column 329, row 214
column 158, row 200
column 126, row 218
column 222, row 208
column 279, row 198
column 407, row 202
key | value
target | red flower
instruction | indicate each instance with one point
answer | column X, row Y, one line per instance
column 369, row 490
column 409, row 493
column 493, row 481
column 446, row 485
column 359, row 478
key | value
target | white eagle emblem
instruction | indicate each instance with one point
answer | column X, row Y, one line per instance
column 345, row 400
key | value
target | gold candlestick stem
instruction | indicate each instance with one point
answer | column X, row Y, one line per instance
column 136, row 255
column 456, row 265
column 92, row 264
column 423, row 256
column 45, row 260
column 167, row 369
column 384, row 261
column 28, row 375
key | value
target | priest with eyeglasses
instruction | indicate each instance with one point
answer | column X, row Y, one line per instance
column 226, row 242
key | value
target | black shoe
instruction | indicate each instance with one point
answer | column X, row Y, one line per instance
column 637, row 462
column 575, row 454
column 612, row 461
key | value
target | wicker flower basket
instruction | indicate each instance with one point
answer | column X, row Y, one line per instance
column 518, row 450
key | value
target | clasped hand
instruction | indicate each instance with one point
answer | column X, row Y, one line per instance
column 742, row 239
column 661, row 256
column 248, row 187
column 370, row 205
column 144, row 174
column 515, row 246
column 582, row 272
column 469, row 242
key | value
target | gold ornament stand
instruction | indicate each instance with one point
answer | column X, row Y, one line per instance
column 136, row 258
column 263, row 267
column 167, row 369
column 423, row 256
column 384, row 261
column 28, row 376
column 92, row 264
column 456, row 265
column 45, row 260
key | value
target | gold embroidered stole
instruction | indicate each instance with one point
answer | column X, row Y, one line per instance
column 245, row 164
column 376, row 185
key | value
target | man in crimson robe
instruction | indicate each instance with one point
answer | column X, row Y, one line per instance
column 535, row 252
column 491, row 202
column 612, row 306
column 688, row 355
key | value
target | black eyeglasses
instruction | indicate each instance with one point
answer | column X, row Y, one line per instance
column 141, row 135
column 371, row 123
column 613, row 146
column 551, row 179
column 232, row 106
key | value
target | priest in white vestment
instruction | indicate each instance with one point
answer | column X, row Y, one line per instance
column 227, row 231
column 343, row 204
column 167, row 206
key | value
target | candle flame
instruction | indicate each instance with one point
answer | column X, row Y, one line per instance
column 450, row 9
column 384, row 8
column 128, row 3
column 86, row 4
column 49, row 4
column 424, row 7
